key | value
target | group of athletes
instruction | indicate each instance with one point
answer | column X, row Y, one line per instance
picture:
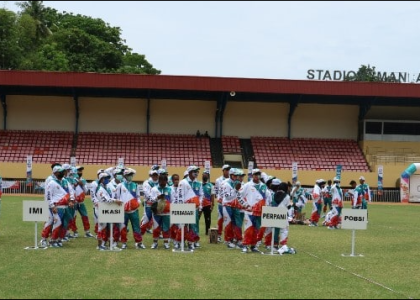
column 239, row 204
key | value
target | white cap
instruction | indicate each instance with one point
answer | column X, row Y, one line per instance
column 225, row 167
column 320, row 181
column 129, row 171
column 255, row 171
column 362, row 178
column 103, row 175
column 192, row 168
column 275, row 181
column 162, row 171
column 66, row 167
column 58, row 169
column 232, row 171
column 297, row 183
column 99, row 171
column 185, row 173
column 152, row 172
column 336, row 179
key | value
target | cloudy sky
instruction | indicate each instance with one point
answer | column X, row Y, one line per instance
column 276, row 40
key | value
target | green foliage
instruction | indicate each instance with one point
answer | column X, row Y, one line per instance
column 388, row 270
column 41, row 38
column 368, row 74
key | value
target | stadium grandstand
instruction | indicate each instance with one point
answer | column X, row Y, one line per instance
column 99, row 118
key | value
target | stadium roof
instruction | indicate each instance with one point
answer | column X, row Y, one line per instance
column 206, row 88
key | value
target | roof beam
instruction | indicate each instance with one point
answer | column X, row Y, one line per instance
column 293, row 104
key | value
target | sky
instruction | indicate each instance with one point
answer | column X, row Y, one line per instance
column 262, row 39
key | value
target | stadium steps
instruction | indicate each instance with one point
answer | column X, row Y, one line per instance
column 216, row 149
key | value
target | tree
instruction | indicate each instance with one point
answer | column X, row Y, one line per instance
column 37, row 11
column 41, row 38
column 9, row 48
column 368, row 74
column 134, row 63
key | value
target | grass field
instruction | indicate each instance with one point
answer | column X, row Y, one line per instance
column 389, row 268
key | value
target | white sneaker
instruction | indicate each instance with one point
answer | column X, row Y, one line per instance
column 244, row 249
column 231, row 245
column 43, row 243
column 124, row 246
column 166, row 246
column 76, row 234
column 219, row 239
column 140, row 246
column 114, row 245
column 191, row 246
column 89, row 235
column 154, row 245
column 197, row 245
column 176, row 245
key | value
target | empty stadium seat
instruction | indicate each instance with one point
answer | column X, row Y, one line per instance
column 310, row 154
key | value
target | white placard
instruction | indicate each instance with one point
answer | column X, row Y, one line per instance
column 354, row 219
column 28, row 163
column 207, row 166
column 120, row 163
column 35, row 211
column 163, row 164
column 73, row 161
column 183, row 213
column 294, row 171
column 110, row 213
column 274, row 217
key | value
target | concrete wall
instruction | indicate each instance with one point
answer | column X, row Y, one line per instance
column 112, row 115
column 40, row 113
column 325, row 121
column 182, row 116
column 255, row 119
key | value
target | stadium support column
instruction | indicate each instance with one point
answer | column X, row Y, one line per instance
column 76, row 106
column 4, row 105
column 148, row 113
column 222, row 112
column 292, row 107
column 364, row 108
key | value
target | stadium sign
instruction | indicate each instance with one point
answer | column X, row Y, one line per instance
column 341, row 75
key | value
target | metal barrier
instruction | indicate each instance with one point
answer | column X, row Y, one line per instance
column 388, row 195
column 37, row 187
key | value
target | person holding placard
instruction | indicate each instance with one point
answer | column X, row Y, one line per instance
column 112, row 188
column 161, row 197
column 92, row 192
column 218, row 190
column 253, row 197
column 104, row 195
column 190, row 190
column 280, row 198
column 129, row 193
column 175, row 228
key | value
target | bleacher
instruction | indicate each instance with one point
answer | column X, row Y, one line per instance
column 142, row 149
column 231, row 144
column 44, row 146
column 310, row 154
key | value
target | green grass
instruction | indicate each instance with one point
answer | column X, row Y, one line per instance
column 390, row 247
